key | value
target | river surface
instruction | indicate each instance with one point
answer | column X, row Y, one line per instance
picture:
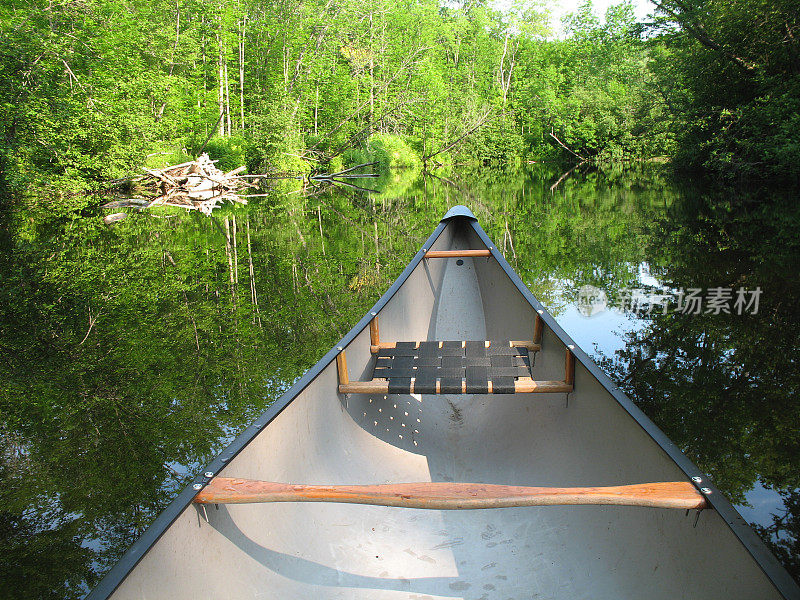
column 131, row 353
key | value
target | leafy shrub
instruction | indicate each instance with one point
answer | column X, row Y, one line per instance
column 277, row 145
column 387, row 149
column 335, row 165
column 164, row 155
column 757, row 139
column 231, row 151
column 497, row 141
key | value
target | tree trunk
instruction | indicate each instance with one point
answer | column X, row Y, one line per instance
column 371, row 72
column 229, row 253
column 503, row 76
column 241, row 74
column 227, row 98
column 321, row 236
column 172, row 57
column 221, row 75
column 480, row 123
column 316, row 106
column 697, row 30
column 235, row 254
column 377, row 256
column 285, row 63
column 202, row 100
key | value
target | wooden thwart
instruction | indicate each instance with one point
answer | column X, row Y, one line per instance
column 452, row 496
column 456, row 253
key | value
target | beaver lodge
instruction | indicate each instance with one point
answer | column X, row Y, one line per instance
column 200, row 185
column 195, row 185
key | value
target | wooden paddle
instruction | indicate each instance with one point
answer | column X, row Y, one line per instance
column 452, row 496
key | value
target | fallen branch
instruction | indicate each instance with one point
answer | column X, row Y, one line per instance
column 90, row 101
column 338, row 173
column 355, row 187
column 481, row 122
column 365, row 131
column 563, row 145
column 163, row 177
column 92, row 321
column 210, row 135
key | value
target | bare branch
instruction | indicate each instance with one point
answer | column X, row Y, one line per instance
column 487, row 116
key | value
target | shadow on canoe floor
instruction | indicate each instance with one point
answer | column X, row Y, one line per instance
column 313, row 573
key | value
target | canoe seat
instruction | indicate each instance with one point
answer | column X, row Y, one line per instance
column 452, row 367
column 482, row 367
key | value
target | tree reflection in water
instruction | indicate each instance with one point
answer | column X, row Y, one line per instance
column 724, row 387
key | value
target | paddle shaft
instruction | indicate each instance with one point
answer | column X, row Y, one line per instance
column 452, row 496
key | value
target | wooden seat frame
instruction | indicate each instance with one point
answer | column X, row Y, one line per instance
column 523, row 385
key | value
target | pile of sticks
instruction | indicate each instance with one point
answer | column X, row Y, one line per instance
column 200, row 185
column 196, row 185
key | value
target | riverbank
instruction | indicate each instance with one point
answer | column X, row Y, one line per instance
column 89, row 91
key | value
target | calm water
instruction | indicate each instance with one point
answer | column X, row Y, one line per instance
column 131, row 354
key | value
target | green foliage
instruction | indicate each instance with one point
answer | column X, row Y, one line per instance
column 162, row 155
column 733, row 85
column 335, row 165
column 87, row 89
column 593, row 90
column 389, row 151
column 101, row 89
column 498, row 141
column 733, row 144
column 276, row 145
column 231, row 151
column 90, row 90
column 392, row 183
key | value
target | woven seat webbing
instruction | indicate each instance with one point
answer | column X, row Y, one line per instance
column 450, row 363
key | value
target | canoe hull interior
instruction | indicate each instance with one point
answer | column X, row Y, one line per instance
column 339, row 551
